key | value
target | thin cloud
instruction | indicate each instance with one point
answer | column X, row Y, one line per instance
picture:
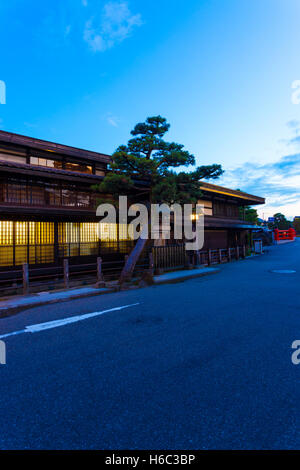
column 293, row 123
column 295, row 140
column 112, row 121
column 278, row 182
column 116, row 23
column 68, row 30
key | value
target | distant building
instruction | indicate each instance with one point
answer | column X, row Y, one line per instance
column 296, row 223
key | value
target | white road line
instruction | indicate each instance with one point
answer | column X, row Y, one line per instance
column 64, row 321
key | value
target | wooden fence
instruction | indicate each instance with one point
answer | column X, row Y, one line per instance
column 160, row 258
column 168, row 257
column 30, row 280
column 165, row 257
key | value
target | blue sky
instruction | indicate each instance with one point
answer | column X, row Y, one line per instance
column 83, row 72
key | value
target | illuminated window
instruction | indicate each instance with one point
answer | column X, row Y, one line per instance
column 89, row 240
column 33, row 242
column 80, row 168
column 108, row 232
column 21, row 233
column 78, row 239
column 44, row 232
column 125, row 232
column 12, row 158
column 46, row 162
column 208, row 210
column 6, row 243
column 6, row 233
column 73, row 232
column 26, row 242
column 68, row 232
column 88, row 232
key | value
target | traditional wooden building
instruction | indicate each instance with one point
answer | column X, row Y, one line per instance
column 225, row 224
column 48, row 206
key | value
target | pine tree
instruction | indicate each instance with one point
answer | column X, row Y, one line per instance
column 148, row 158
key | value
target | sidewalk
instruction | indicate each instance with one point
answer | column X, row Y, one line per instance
column 178, row 276
column 17, row 303
column 11, row 305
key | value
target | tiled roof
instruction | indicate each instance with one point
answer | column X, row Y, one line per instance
column 45, row 145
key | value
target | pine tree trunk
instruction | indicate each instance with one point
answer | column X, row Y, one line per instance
column 133, row 259
column 137, row 250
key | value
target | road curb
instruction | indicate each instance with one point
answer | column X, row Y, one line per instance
column 167, row 278
column 174, row 278
column 7, row 312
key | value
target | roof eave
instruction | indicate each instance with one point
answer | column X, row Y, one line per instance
column 244, row 198
column 52, row 147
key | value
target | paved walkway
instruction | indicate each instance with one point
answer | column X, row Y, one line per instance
column 26, row 301
column 48, row 297
column 177, row 276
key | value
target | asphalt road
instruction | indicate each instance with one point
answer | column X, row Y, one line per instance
column 202, row 364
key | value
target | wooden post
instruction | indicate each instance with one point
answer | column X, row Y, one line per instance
column 151, row 263
column 66, row 273
column 209, row 257
column 229, row 255
column 237, row 253
column 244, row 251
column 100, row 278
column 186, row 259
column 126, row 274
column 220, row 256
column 25, row 279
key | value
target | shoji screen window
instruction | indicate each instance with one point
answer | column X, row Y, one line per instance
column 68, row 239
column 21, row 242
column 89, row 239
column 26, row 242
column 6, row 243
column 41, row 242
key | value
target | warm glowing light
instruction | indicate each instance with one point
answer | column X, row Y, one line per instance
column 6, row 233
column 26, row 242
column 115, row 232
column 33, row 242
